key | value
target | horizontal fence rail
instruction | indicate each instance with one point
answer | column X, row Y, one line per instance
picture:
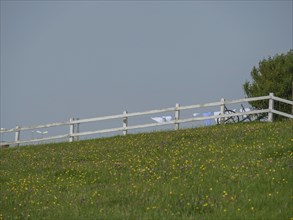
column 74, row 133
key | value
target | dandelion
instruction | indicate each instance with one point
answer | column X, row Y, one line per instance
column 224, row 194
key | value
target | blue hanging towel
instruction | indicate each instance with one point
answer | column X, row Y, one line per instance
column 207, row 122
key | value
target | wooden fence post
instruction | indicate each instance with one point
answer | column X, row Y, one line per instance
column 17, row 135
column 125, row 123
column 222, row 110
column 71, row 130
column 271, row 107
column 76, row 129
column 177, row 116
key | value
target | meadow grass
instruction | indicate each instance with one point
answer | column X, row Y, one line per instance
column 239, row 171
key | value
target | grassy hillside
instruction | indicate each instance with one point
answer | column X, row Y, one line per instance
column 240, row 171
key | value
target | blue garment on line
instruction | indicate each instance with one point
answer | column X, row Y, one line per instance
column 207, row 122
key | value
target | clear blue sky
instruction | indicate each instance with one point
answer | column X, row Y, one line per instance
column 93, row 58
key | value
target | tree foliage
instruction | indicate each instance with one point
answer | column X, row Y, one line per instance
column 274, row 74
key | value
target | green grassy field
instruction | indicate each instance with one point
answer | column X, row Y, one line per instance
column 239, row 171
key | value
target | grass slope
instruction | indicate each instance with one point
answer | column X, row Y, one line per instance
column 240, row 171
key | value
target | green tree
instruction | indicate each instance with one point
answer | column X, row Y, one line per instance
column 274, row 74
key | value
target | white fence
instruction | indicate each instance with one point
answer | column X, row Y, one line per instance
column 74, row 133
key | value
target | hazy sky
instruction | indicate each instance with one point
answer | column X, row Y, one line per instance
column 62, row 59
